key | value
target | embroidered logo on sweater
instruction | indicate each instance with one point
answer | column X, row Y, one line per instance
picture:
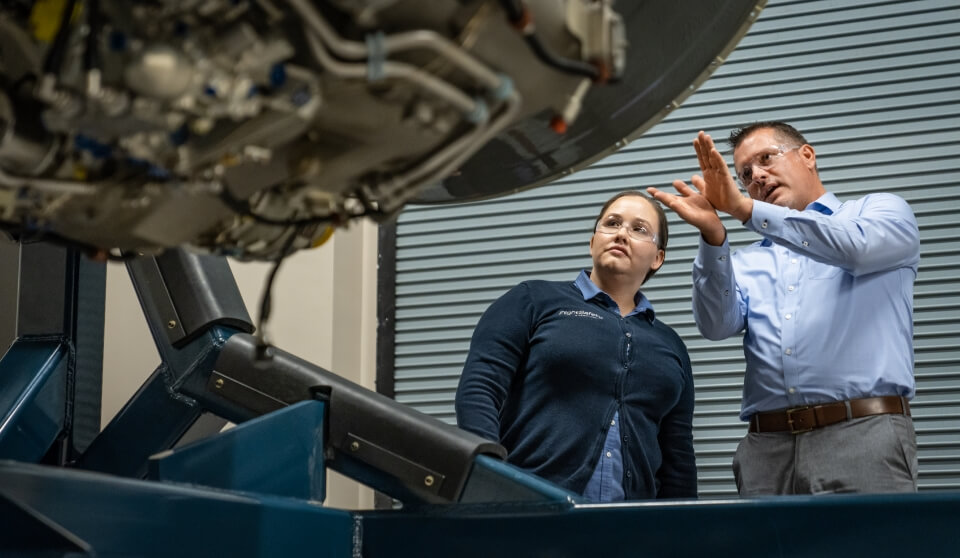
column 581, row 314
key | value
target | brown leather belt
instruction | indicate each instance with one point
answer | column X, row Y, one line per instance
column 807, row 418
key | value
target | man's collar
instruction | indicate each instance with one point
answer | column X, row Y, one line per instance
column 827, row 204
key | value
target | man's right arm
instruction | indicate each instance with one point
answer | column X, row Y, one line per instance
column 497, row 350
column 718, row 307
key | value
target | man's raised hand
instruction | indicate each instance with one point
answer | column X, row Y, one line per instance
column 694, row 209
column 718, row 185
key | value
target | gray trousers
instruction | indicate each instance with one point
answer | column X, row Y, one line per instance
column 870, row 454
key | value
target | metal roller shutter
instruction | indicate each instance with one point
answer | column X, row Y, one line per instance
column 875, row 87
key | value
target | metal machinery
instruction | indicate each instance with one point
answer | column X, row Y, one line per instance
column 248, row 128
column 174, row 133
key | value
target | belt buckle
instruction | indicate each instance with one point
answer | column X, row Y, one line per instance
column 790, row 420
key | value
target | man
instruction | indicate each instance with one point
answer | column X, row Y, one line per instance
column 825, row 301
column 579, row 380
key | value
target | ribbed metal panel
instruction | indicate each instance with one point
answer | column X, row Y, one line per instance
column 875, row 86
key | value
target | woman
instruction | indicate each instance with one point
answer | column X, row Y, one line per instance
column 579, row 380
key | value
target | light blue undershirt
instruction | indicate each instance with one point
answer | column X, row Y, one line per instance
column 606, row 483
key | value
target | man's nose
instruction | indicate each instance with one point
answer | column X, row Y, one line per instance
column 758, row 176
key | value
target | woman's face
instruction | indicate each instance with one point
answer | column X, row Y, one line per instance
column 619, row 252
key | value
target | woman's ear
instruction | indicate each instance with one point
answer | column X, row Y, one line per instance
column 661, row 255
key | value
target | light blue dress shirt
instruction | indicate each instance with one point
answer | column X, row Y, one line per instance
column 606, row 483
column 825, row 301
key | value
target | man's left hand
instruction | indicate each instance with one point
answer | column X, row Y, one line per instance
column 719, row 187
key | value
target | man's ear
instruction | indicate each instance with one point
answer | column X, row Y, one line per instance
column 809, row 156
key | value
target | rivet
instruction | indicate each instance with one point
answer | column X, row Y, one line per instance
column 218, row 383
column 171, row 324
column 354, row 446
column 428, row 480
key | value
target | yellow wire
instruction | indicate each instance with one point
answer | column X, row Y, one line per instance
column 323, row 238
column 45, row 18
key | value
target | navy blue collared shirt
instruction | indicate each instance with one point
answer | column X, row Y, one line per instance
column 549, row 370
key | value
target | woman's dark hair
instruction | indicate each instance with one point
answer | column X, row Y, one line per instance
column 662, row 231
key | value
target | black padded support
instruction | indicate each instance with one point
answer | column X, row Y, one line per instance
column 190, row 292
column 431, row 458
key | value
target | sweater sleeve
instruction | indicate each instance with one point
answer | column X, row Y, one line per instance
column 498, row 352
column 677, row 475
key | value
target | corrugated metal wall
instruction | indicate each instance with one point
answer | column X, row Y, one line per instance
column 875, row 87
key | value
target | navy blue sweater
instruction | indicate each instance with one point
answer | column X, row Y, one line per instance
column 546, row 372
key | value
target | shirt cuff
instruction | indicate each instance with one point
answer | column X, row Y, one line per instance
column 767, row 219
column 710, row 258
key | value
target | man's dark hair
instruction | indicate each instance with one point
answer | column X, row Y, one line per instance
column 784, row 130
column 662, row 231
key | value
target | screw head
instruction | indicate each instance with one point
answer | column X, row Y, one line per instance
column 354, row 446
column 171, row 324
column 428, row 480
column 218, row 383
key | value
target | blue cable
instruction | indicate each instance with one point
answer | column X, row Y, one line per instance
column 377, row 56
column 504, row 89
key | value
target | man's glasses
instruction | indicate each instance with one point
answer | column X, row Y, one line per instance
column 612, row 225
column 762, row 161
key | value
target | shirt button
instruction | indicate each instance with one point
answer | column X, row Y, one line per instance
column 627, row 473
column 794, row 260
column 790, row 288
column 805, row 243
column 726, row 292
column 723, row 258
column 609, row 454
column 628, row 334
column 789, row 351
column 788, row 316
column 763, row 225
column 613, row 423
column 792, row 390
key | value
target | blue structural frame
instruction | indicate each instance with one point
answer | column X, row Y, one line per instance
column 798, row 526
column 32, row 397
column 50, row 376
column 114, row 516
column 225, row 511
column 157, row 415
column 279, row 454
